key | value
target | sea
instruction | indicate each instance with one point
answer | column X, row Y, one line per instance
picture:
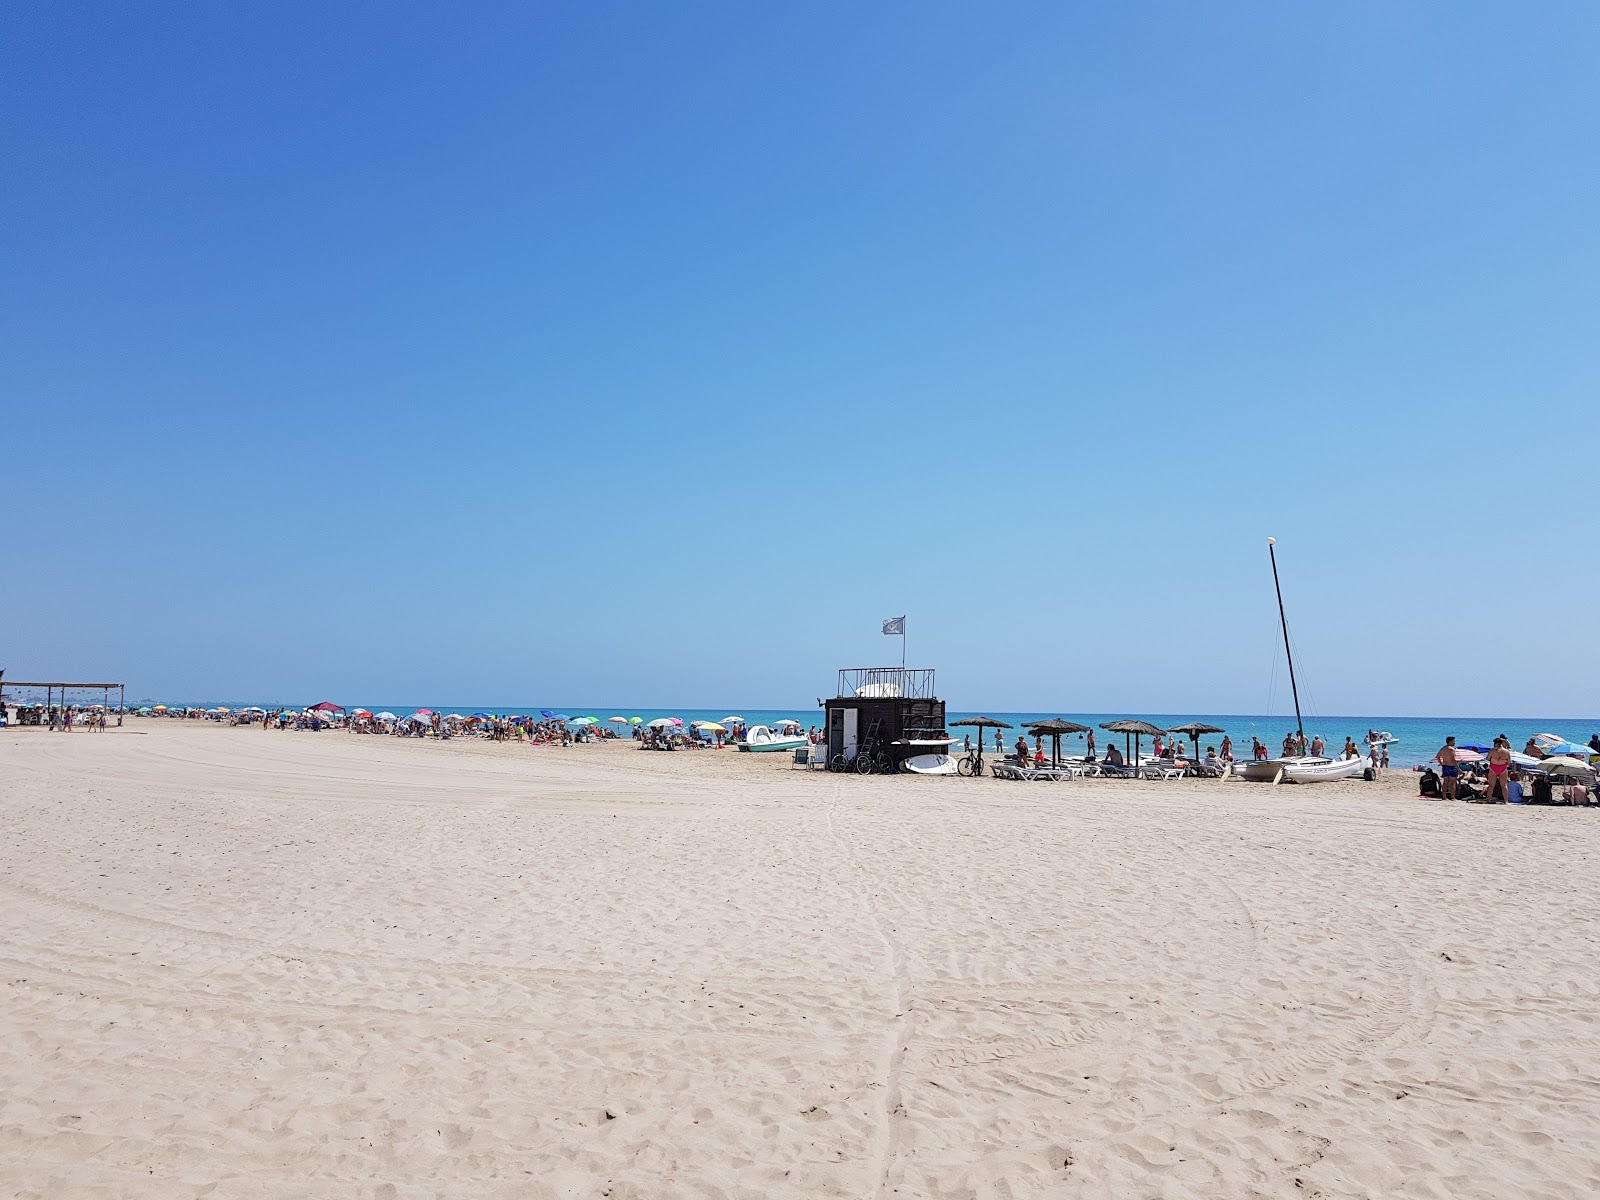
column 1419, row 738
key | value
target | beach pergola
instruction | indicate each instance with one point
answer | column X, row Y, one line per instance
column 1135, row 730
column 51, row 687
column 1193, row 731
column 981, row 723
column 1055, row 728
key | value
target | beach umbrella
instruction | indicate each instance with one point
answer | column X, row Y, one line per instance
column 664, row 722
column 733, row 720
column 386, row 716
column 618, row 720
column 1055, row 727
column 1193, row 730
column 561, row 717
column 1464, row 755
column 1135, row 729
column 547, row 714
column 361, row 712
column 982, row 723
column 478, row 717
column 710, row 727
column 1474, row 747
column 585, row 721
column 1569, row 768
column 635, row 720
column 159, row 708
column 1571, row 749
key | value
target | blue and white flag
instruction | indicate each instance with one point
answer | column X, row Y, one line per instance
column 895, row 625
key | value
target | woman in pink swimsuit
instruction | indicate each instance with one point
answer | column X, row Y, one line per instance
column 1499, row 764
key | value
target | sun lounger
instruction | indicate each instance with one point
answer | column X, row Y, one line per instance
column 1159, row 770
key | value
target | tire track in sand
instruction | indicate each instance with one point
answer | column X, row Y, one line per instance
column 886, row 1142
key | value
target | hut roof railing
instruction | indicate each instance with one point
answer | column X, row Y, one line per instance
column 887, row 683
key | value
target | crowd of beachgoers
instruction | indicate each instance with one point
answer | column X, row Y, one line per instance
column 1547, row 770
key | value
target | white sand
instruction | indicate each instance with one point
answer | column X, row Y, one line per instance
column 244, row 964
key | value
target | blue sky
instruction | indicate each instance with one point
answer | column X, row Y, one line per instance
column 653, row 354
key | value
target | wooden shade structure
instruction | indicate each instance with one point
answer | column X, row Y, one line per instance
column 1135, row 730
column 1193, row 730
column 982, row 723
column 1055, row 727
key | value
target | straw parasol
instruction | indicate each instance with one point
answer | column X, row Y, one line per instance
column 1055, row 727
column 982, row 723
column 1134, row 729
column 1193, row 730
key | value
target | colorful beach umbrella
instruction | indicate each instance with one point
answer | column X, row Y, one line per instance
column 635, row 720
column 710, row 727
column 618, row 720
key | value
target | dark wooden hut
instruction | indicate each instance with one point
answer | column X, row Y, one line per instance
column 883, row 712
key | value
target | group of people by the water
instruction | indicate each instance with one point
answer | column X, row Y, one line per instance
column 60, row 718
column 1559, row 774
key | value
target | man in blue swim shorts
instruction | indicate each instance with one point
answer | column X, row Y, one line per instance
column 1449, row 768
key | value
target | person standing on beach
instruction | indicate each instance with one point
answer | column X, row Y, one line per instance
column 999, row 743
column 1090, row 752
column 1385, row 759
column 1449, row 767
column 1227, row 748
column 1318, row 746
column 1499, row 769
column 1372, row 761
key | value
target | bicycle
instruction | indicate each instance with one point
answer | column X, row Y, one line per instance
column 970, row 764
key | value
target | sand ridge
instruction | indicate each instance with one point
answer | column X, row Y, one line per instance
column 236, row 963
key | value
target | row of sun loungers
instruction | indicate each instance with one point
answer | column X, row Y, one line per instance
column 1027, row 773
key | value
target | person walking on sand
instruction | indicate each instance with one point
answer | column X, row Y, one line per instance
column 1449, row 768
column 1372, row 761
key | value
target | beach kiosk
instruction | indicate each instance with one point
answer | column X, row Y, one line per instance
column 881, row 716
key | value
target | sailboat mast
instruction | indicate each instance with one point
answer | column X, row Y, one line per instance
column 1299, row 724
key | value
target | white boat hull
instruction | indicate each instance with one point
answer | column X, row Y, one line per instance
column 776, row 744
column 1301, row 770
column 761, row 740
column 930, row 764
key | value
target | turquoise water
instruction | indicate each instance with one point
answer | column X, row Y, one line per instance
column 1420, row 737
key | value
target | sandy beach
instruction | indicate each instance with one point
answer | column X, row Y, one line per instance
column 247, row 964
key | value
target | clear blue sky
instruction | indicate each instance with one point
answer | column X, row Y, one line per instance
column 653, row 353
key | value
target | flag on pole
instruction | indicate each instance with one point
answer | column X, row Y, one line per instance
column 895, row 626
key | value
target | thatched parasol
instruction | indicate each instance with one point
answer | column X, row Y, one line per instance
column 982, row 723
column 1135, row 729
column 1193, row 730
column 1056, row 727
